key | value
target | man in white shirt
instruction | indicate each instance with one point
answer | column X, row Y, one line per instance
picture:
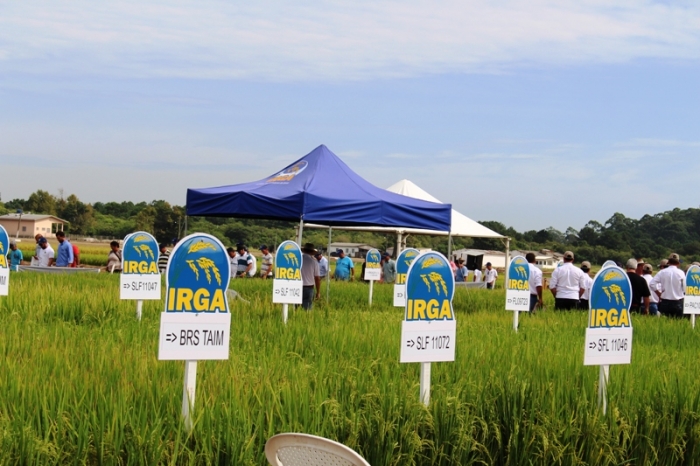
column 647, row 269
column 244, row 262
column 535, row 282
column 669, row 285
column 477, row 275
column 310, row 276
column 267, row 265
column 583, row 303
column 490, row 276
column 322, row 265
column 45, row 253
column 567, row 284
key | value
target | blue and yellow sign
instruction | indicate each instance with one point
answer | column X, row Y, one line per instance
column 611, row 298
column 4, row 248
column 403, row 263
column 692, row 281
column 430, row 287
column 373, row 268
column 140, row 254
column 519, row 274
column 288, row 261
column 198, row 275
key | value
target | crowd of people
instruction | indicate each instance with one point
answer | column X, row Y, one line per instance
column 660, row 294
column 68, row 254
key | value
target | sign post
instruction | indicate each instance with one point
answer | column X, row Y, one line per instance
column 287, row 285
column 140, row 279
column 429, row 329
column 373, row 269
column 4, row 266
column 403, row 262
column 518, row 288
column 691, row 302
column 609, row 332
column 196, row 323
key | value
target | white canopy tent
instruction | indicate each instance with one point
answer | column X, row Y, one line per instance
column 461, row 224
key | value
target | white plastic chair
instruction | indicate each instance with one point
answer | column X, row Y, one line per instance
column 309, row 450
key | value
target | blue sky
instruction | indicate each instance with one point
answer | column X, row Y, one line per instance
column 531, row 113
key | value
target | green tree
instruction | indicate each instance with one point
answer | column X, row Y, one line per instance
column 41, row 202
column 80, row 215
column 146, row 219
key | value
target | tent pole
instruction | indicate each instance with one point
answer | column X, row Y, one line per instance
column 328, row 273
column 507, row 257
column 301, row 231
column 398, row 244
column 185, row 225
column 449, row 247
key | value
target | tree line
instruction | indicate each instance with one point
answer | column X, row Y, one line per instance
column 619, row 238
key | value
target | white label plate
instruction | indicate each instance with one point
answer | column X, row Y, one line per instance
column 517, row 300
column 139, row 286
column 607, row 346
column 373, row 274
column 691, row 305
column 399, row 295
column 193, row 336
column 286, row 291
column 4, row 282
column 428, row 340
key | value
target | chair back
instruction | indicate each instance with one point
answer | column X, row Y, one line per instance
column 309, row 450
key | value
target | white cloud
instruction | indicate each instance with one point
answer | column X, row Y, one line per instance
column 336, row 40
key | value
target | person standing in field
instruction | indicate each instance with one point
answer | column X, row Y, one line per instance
column 669, row 285
column 462, row 272
column 65, row 251
column 14, row 257
column 640, row 289
column 46, row 253
column 244, row 262
column 477, row 274
column 567, row 284
column 310, row 277
column 490, row 276
column 388, row 269
column 76, row 255
column 344, row 267
column 535, row 282
column 322, row 264
column 37, row 249
column 653, row 297
column 267, row 266
column 114, row 259
column 583, row 303
column 164, row 256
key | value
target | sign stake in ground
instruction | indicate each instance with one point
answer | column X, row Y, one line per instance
column 429, row 328
column 4, row 266
column 373, row 270
column 196, row 323
column 287, row 285
column 518, row 288
column 403, row 262
column 140, row 279
column 609, row 332
column 691, row 302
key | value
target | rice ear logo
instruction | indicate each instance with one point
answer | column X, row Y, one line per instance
column 288, row 173
column 520, row 270
column 429, row 288
column 436, row 279
column 292, row 259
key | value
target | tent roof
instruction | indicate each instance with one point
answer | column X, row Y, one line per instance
column 319, row 187
column 461, row 224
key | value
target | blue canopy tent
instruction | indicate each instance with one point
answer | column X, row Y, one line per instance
column 319, row 187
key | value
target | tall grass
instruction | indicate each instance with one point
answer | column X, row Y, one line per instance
column 80, row 383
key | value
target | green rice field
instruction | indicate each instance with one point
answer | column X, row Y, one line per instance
column 80, row 383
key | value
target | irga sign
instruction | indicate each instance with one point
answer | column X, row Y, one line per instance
column 518, row 286
column 287, row 284
column 609, row 332
column 402, row 264
column 4, row 266
column 691, row 303
column 373, row 267
column 140, row 278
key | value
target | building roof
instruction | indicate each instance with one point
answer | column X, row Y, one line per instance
column 34, row 217
column 351, row 245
